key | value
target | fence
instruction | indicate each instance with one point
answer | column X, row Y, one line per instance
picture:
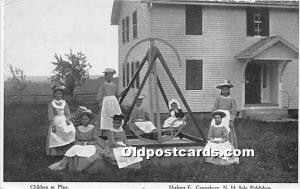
column 46, row 98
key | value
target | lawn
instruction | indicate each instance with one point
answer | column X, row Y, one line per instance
column 275, row 145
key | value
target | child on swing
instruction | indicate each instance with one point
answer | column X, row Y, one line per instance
column 108, row 103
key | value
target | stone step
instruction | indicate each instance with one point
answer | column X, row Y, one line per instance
column 262, row 114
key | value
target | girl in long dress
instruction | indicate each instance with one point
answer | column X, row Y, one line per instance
column 108, row 103
column 117, row 140
column 176, row 118
column 87, row 153
column 61, row 132
column 226, row 102
column 140, row 118
column 218, row 141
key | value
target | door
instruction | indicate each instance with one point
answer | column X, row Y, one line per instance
column 253, row 83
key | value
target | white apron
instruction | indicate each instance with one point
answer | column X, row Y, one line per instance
column 65, row 134
column 110, row 107
column 146, row 126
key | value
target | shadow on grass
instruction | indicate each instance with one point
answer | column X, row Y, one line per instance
column 275, row 145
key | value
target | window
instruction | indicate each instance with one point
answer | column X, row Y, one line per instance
column 137, row 64
column 194, row 74
column 124, row 77
column 127, row 29
column 123, row 31
column 193, row 20
column 134, row 24
column 132, row 72
column 127, row 74
column 257, row 22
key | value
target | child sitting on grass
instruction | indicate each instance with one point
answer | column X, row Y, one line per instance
column 87, row 153
column 218, row 141
column 117, row 140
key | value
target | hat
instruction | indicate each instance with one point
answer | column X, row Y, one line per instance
column 84, row 111
column 174, row 101
column 225, row 84
column 109, row 70
column 118, row 117
column 141, row 96
column 58, row 87
column 222, row 114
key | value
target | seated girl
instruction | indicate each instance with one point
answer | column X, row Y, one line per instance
column 139, row 117
column 176, row 118
column 117, row 139
column 87, row 153
column 218, row 141
column 61, row 132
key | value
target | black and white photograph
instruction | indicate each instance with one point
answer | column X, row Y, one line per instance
column 174, row 94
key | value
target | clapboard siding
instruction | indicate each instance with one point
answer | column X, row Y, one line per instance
column 285, row 23
column 223, row 36
column 127, row 8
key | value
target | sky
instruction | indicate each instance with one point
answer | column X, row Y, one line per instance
column 35, row 30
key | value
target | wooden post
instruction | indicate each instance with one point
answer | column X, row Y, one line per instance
column 157, row 108
column 150, row 81
column 163, row 92
column 141, row 87
column 164, row 64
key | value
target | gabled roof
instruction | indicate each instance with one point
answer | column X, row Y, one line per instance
column 262, row 3
column 262, row 45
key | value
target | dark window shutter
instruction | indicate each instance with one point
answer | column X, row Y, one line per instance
column 250, row 23
column 132, row 72
column 194, row 74
column 127, row 73
column 193, row 20
column 127, row 28
column 265, row 22
column 138, row 76
column 123, row 31
column 124, row 77
column 134, row 24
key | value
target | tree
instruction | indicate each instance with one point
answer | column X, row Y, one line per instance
column 18, row 78
column 73, row 71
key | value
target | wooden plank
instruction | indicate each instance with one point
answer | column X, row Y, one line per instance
column 141, row 87
column 162, row 92
column 164, row 64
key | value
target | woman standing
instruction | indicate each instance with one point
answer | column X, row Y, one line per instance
column 108, row 103
column 61, row 133
column 226, row 102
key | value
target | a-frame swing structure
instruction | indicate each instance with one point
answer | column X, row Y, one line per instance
column 151, row 56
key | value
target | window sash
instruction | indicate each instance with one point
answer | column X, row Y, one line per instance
column 193, row 20
column 127, row 29
column 134, row 24
column 123, row 31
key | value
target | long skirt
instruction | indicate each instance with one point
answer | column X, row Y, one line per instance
column 145, row 126
column 110, row 107
column 173, row 122
column 59, row 142
column 88, row 159
column 221, row 148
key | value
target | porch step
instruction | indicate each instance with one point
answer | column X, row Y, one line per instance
column 265, row 114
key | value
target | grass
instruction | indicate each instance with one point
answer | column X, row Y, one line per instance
column 275, row 145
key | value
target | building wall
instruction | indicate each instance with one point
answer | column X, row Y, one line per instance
column 285, row 23
column 137, row 54
column 223, row 36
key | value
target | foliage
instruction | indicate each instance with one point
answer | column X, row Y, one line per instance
column 73, row 71
column 18, row 78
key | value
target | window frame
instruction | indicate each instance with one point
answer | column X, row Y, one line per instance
column 257, row 22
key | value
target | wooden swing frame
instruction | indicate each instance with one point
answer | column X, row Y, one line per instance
column 151, row 56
